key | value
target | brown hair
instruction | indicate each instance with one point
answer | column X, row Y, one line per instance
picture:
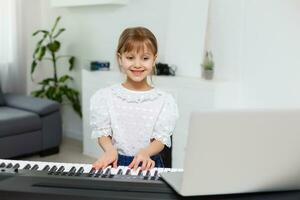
column 137, row 38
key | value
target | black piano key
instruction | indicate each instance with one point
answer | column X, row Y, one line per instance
column 52, row 170
column 28, row 166
column 99, row 173
column 140, row 173
column 16, row 166
column 60, row 170
column 46, row 168
column 120, row 172
column 92, row 172
column 155, row 175
column 9, row 165
column 79, row 171
column 71, row 171
column 2, row 164
column 106, row 173
column 148, row 174
column 128, row 172
column 34, row 167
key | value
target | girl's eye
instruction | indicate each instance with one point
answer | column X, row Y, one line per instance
column 129, row 57
column 146, row 58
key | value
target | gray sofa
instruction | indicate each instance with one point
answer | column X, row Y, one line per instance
column 28, row 125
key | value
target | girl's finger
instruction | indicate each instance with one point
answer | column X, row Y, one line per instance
column 132, row 163
column 149, row 164
column 152, row 164
column 137, row 163
column 115, row 164
column 144, row 164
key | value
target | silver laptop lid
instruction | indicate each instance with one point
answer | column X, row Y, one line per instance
column 237, row 151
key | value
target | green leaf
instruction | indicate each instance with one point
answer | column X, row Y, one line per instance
column 59, row 32
column 71, row 62
column 64, row 78
column 50, row 93
column 38, row 93
column 55, row 24
column 41, row 53
column 40, row 31
column 33, row 66
column 46, row 81
column 54, row 46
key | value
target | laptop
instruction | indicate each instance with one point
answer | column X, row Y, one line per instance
column 240, row 151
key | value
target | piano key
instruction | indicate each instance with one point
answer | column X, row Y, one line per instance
column 140, row 173
column 114, row 171
column 128, row 171
column 135, row 172
column 60, row 170
column 106, row 174
column 9, row 165
column 72, row 171
column 2, row 164
column 155, row 175
column 160, row 170
column 87, row 168
column 52, row 170
column 46, row 168
column 35, row 167
column 99, row 173
column 147, row 175
column 120, row 172
column 92, row 172
column 16, row 166
column 28, row 166
column 79, row 171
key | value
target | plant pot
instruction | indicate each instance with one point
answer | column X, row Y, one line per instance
column 208, row 74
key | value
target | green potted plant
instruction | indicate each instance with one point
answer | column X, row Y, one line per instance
column 55, row 87
column 208, row 66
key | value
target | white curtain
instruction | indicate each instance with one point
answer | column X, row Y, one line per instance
column 12, row 70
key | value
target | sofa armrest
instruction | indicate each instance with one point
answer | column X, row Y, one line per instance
column 33, row 104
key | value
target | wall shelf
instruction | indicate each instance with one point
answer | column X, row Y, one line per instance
column 73, row 3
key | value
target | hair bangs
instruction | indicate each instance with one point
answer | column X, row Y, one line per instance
column 138, row 45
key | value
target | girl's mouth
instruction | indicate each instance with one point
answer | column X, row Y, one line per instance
column 137, row 72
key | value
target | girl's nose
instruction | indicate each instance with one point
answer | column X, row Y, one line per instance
column 137, row 63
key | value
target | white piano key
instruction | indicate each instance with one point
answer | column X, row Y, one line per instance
column 135, row 172
column 114, row 171
column 152, row 171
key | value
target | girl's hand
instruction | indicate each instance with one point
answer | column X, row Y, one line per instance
column 109, row 157
column 144, row 158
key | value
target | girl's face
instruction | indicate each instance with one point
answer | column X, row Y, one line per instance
column 137, row 65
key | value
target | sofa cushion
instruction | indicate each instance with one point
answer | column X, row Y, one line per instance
column 32, row 104
column 14, row 121
column 2, row 100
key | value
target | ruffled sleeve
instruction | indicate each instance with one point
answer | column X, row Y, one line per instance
column 99, row 115
column 165, row 124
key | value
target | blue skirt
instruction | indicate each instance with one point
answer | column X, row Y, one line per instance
column 126, row 160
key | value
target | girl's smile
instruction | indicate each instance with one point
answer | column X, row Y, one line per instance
column 137, row 65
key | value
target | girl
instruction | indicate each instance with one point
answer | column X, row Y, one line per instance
column 133, row 121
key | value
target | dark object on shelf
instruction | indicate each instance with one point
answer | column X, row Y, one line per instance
column 100, row 65
column 164, row 69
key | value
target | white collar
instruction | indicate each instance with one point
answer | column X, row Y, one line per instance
column 135, row 96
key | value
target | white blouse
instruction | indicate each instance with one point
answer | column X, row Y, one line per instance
column 132, row 118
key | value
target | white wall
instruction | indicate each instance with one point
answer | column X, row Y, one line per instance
column 256, row 47
column 271, row 64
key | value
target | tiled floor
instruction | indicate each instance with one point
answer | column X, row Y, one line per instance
column 70, row 151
